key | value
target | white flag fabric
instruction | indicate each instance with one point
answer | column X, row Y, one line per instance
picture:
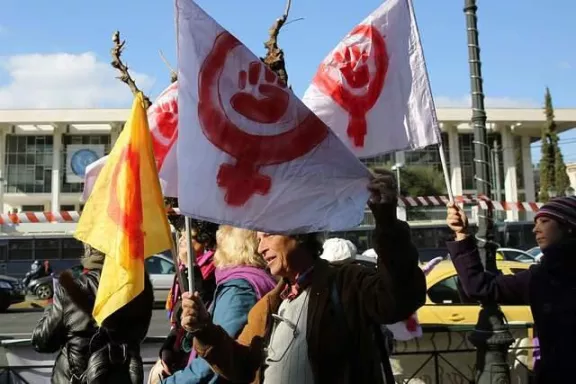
column 250, row 154
column 90, row 175
column 163, row 122
column 373, row 88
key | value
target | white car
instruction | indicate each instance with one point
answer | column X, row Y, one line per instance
column 536, row 252
column 513, row 254
column 161, row 269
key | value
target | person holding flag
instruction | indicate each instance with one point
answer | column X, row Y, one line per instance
column 99, row 320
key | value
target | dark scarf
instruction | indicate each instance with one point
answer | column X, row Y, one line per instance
column 560, row 259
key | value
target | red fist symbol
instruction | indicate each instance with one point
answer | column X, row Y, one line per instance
column 268, row 109
column 167, row 118
column 163, row 116
column 353, row 66
column 243, row 179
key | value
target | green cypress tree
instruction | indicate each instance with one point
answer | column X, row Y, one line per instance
column 559, row 178
column 547, row 171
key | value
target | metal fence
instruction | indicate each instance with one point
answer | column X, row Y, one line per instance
column 443, row 355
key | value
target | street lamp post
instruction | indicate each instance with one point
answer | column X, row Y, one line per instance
column 396, row 167
column 491, row 336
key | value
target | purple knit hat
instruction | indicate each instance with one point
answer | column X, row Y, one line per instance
column 562, row 209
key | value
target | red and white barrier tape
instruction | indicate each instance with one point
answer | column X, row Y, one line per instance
column 521, row 206
column 408, row 202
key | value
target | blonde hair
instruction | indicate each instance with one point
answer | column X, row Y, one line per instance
column 236, row 247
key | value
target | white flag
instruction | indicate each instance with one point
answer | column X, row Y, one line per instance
column 250, row 153
column 373, row 88
column 90, row 175
column 163, row 122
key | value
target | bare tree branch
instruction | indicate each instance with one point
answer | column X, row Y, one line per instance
column 274, row 58
column 116, row 53
column 173, row 73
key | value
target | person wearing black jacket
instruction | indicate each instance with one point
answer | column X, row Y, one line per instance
column 88, row 353
column 549, row 287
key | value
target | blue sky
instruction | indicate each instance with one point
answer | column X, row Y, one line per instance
column 525, row 46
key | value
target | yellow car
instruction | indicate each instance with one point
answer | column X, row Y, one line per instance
column 443, row 305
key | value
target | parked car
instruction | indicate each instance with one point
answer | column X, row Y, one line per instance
column 159, row 266
column 12, row 291
column 161, row 269
column 536, row 252
column 513, row 254
column 43, row 288
column 444, row 307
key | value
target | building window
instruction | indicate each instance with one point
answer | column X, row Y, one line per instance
column 21, row 249
column 430, row 155
column 32, row 208
column 79, row 140
column 68, row 207
column 47, row 249
column 466, row 150
column 72, row 248
column 29, row 164
column 387, row 159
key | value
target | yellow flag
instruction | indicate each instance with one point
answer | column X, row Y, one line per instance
column 125, row 217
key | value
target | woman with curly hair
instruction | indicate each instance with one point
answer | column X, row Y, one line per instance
column 241, row 281
column 203, row 236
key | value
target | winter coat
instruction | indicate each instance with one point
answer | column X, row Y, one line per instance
column 68, row 326
column 550, row 290
column 389, row 294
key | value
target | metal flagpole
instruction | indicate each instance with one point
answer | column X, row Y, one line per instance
column 445, row 171
column 191, row 256
column 491, row 336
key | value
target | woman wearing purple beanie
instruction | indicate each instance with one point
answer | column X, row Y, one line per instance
column 549, row 287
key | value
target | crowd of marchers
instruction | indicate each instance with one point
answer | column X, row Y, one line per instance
column 289, row 309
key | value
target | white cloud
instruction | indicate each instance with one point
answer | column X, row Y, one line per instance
column 565, row 65
column 64, row 80
column 489, row 102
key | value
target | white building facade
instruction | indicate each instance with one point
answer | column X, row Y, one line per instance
column 43, row 152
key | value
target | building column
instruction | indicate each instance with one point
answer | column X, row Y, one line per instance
column 115, row 130
column 454, row 155
column 3, row 132
column 56, row 165
column 509, row 162
column 400, row 157
column 528, row 170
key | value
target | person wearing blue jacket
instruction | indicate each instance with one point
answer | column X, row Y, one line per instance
column 241, row 280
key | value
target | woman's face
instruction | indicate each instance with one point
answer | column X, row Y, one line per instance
column 547, row 232
column 198, row 247
column 183, row 247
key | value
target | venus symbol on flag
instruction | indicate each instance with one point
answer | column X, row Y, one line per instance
column 129, row 217
column 354, row 76
column 260, row 99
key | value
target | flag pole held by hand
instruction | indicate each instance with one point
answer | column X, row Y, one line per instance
column 191, row 256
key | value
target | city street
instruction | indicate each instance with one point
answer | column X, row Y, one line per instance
column 19, row 323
